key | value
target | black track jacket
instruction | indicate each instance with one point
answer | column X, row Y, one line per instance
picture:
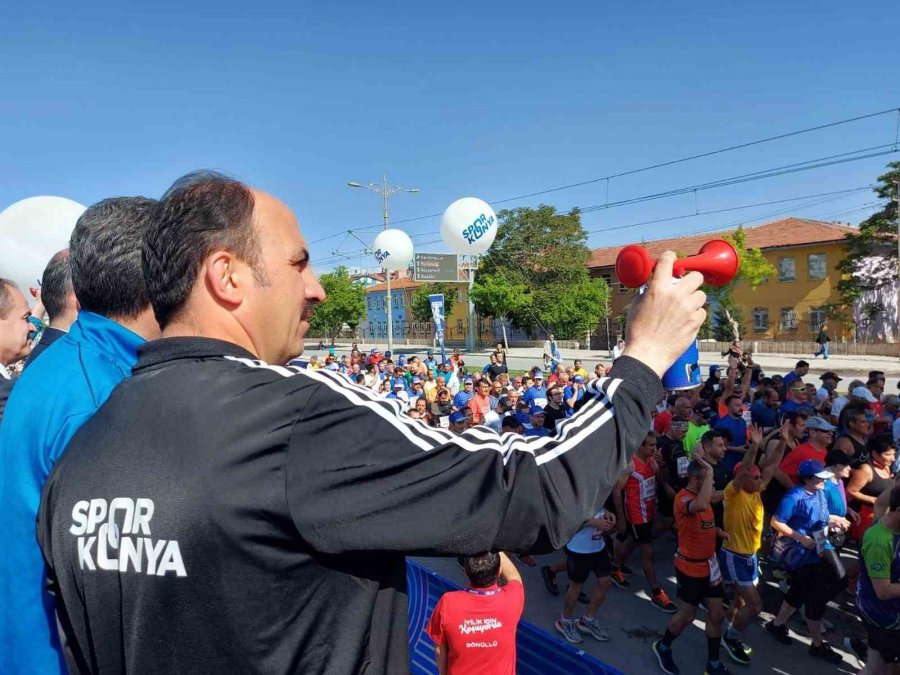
column 221, row 515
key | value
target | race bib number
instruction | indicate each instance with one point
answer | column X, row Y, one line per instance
column 682, row 466
column 821, row 536
column 715, row 574
column 648, row 488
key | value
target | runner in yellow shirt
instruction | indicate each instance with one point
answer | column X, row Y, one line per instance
column 744, row 525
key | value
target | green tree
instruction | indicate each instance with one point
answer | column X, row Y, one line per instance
column 546, row 253
column 421, row 307
column 345, row 303
column 753, row 270
column 494, row 295
column 870, row 263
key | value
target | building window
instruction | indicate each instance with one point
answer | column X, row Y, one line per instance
column 816, row 318
column 787, row 269
column 760, row 319
column 788, row 319
column 459, row 328
column 816, row 262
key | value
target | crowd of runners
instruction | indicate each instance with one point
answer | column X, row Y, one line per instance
column 750, row 472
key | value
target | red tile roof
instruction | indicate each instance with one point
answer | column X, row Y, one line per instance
column 396, row 285
column 777, row 234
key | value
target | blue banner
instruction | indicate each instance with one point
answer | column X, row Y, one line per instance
column 537, row 652
column 437, row 314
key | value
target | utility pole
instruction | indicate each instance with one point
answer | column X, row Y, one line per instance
column 386, row 193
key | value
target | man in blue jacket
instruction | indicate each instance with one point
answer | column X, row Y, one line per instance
column 54, row 397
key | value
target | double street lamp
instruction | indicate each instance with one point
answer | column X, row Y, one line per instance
column 386, row 193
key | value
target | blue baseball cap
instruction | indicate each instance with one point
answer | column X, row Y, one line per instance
column 810, row 468
column 536, row 410
column 457, row 417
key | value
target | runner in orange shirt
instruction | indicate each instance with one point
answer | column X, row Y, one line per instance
column 696, row 569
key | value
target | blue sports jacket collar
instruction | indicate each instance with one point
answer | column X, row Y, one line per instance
column 111, row 338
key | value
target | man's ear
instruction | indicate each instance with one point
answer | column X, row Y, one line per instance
column 226, row 277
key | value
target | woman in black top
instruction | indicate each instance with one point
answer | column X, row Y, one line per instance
column 870, row 480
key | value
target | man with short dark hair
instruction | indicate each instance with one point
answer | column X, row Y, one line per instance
column 58, row 298
column 14, row 330
column 54, row 398
column 304, row 492
column 798, row 373
column 474, row 630
column 696, row 569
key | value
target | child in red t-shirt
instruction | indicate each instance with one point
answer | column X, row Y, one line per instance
column 474, row 630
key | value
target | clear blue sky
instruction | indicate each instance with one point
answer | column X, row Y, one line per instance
column 486, row 99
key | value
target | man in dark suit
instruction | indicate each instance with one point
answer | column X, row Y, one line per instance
column 58, row 298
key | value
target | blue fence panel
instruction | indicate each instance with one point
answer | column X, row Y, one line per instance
column 537, row 652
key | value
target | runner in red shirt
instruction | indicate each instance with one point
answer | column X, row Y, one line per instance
column 474, row 630
column 821, row 433
column 635, row 520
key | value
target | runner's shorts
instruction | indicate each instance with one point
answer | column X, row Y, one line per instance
column 885, row 641
column 642, row 534
column 693, row 590
column 580, row 565
column 742, row 570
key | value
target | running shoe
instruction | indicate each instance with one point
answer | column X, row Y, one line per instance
column 736, row 650
column 780, row 633
column 858, row 647
column 589, row 626
column 566, row 627
column 618, row 578
column 716, row 670
column 549, row 580
column 661, row 600
column 826, row 653
column 664, row 658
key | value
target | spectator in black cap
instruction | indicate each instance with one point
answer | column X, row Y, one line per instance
column 698, row 426
column 829, row 383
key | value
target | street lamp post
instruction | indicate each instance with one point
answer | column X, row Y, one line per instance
column 386, row 193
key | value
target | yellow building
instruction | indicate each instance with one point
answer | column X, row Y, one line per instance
column 789, row 306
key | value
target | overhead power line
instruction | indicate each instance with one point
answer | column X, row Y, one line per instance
column 673, row 162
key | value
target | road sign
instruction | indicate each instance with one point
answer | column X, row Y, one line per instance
column 436, row 267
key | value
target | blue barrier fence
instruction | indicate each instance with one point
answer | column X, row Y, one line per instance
column 537, row 652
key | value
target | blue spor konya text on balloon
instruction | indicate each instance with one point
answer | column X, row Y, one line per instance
column 479, row 227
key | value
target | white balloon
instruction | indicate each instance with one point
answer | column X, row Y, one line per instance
column 469, row 226
column 31, row 231
column 393, row 250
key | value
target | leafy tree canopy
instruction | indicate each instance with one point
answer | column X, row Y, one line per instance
column 345, row 303
column 543, row 255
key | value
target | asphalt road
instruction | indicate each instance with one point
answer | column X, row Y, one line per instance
column 635, row 623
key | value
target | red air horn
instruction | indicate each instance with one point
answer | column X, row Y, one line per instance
column 717, row 261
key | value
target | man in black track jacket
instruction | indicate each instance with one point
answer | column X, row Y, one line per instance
column 219, row 514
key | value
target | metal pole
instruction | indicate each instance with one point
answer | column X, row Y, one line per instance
column 387, row 273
